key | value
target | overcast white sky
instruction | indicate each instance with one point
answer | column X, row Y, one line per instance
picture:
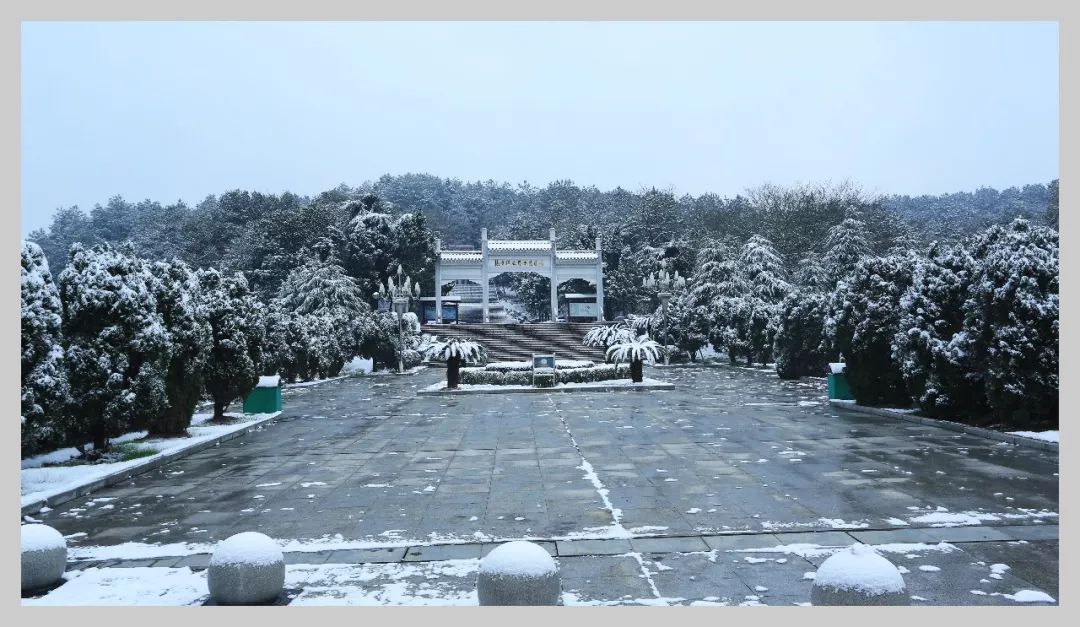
column 173, row 111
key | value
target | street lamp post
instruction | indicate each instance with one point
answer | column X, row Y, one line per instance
column 399, row 293
column 666, row 283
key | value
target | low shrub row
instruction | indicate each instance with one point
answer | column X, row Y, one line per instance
column 522, row 366
column 481, row 376
column 487, row 376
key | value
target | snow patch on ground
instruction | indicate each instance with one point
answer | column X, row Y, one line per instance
column 954, row 519
column 1029, row 596
column 1045, row 436
column 39, row 483
column 128, row 586
column 519, row 558
column 249, row 547
column 40, row 538
column 860, row 568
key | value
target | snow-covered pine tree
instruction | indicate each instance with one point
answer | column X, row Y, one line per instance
column 682, row 327
column 800, row 344
column 321, row 288
column 763, row 271
column 366, row 242
column 846, row 244
column 44, row 381
column 1011, row 323
column 318, row 286
column 864, row 319
column 237, row 327
column 712, row 268
column 289, row 346
column 719, row 292
column 811, row 275
column 382, row 344
column 180, row 305
column 277, row 354
column 327, row 350
column 117, row 343
column 943, row 380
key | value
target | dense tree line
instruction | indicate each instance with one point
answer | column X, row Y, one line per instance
column 118, row 342
column 396, row 218
column 965, row 329
column 150, row 307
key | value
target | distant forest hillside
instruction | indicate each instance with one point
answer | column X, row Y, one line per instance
column 939, row 216
column 264, row 235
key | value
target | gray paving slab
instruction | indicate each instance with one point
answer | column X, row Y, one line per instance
column 442, row 552
column 669, row 545
column 366, row 556
column 969, row 534
column 897, row 535
column 369, row 461
column 592, row 547
column 307, row 557
column 736, row 542
column 1031, row 532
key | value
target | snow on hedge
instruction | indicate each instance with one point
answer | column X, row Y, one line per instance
column 518, row 558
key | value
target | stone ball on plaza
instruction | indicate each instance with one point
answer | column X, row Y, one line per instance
column 246, row 569
column 518, row 573
column 44, row 556
column 858, row 575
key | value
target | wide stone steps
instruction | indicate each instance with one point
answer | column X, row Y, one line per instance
column 516, row 342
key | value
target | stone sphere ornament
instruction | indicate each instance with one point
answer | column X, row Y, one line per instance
column 44, row 556
column 858, row 575
column 246, row 569
column 518, row 573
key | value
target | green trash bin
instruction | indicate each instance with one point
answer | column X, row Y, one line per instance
column 265, row 398
column 838, row 384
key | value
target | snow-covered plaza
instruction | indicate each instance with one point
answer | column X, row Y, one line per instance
column 731, row 488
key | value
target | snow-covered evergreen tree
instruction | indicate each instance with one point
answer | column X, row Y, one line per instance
column 328, row 348
column 319, row 286
column 811, row 275
column 713, row 268
column 800, row 345
column 383, row 344
column 117, row 343
column 44, row 381
column 320, row 289
column 728, row 315
column 845, row 246
column 762, row 270
column 237, row 327
column 940, row 376
column 179, row 303
column 681, row 327
column 864, row 319
column 1011, row 323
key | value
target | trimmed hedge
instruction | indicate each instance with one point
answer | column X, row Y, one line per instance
column 481, row 376
column 487, row 376
column 521, row 366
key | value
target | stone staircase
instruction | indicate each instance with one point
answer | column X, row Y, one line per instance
column 518, row 342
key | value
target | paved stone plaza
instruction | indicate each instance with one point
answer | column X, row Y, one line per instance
column 726, row 489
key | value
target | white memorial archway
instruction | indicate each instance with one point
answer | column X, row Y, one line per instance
column 496, row 257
